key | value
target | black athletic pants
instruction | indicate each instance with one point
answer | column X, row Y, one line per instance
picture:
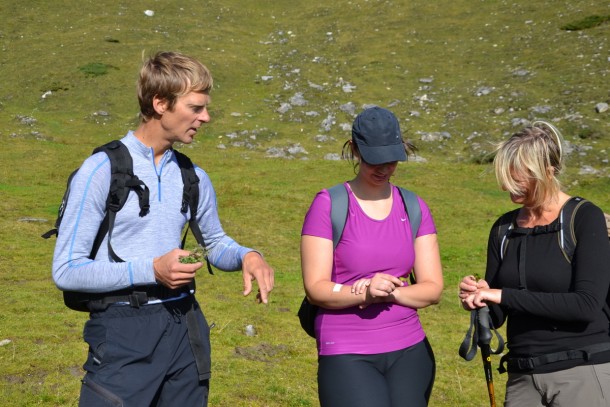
column 143, row 357
column 400, row 378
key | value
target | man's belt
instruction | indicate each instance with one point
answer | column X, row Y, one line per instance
column 135, row 297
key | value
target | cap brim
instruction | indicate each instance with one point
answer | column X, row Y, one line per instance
column 382, row 154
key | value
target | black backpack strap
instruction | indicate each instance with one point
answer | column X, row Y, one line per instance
column 524, row 234
column 190, row 200
column 504, row 228
column 190, row 190
column 566, row 235
column 122, row 180
column 566, row 238
column 62, row 208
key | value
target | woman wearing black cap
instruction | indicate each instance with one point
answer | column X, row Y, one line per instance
column 552, row 298
column 372, row 348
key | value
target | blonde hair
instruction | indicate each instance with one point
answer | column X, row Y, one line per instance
column 533, row 154
column 169, row 75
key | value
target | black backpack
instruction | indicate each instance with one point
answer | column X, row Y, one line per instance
column 566, row 237
column 122, row 181
column 338, row 216
column 564, row 228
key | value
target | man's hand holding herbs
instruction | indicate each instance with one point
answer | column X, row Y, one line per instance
column 172, row 271
column 197, row 255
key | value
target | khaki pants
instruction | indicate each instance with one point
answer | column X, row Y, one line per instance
column 579, row 386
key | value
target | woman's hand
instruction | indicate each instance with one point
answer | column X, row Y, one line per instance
column 469, row 286
column 475, row 293
column 379, row 288
column 482, row 298
column 383, row 285
column 360, row 286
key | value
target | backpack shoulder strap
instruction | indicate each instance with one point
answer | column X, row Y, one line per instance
column 502, row 228
column 409, row 199
column 190, row 200
column 339, row 203
column 190, row 191
column 61, row 209
column 505, row 225
column 339, row 209
column 122, row 180
column 566, row 235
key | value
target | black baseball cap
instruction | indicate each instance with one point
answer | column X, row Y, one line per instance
column 376, row 132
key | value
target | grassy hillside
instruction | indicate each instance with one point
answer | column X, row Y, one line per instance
column 286, row 73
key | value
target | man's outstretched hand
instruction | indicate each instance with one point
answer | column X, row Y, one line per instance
column 254, row 267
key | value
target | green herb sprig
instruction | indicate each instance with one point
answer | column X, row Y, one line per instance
column 198, row 254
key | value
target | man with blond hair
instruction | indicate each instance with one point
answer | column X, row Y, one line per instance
column 148, row 338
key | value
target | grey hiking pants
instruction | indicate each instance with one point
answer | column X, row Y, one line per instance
column 587, row 385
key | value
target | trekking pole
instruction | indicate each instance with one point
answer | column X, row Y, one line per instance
column 479, row 334
column 484, row 343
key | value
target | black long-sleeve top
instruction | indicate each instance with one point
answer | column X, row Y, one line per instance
column 559, row 306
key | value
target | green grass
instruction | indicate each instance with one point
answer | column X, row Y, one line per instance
column 587, row 22
column 92, row 69
column 382, row 48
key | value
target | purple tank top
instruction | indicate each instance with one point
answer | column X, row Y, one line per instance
column 368, row 246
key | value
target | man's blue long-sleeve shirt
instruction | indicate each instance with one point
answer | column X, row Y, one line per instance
column 137, row 240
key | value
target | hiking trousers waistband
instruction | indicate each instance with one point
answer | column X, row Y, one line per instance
column 514, row 364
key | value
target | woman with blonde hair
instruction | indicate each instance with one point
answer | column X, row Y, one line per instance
column 557, row 330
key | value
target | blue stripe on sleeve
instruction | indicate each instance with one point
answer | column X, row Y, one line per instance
column 81, row 208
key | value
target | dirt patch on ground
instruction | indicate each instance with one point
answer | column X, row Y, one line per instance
column 262, row 352
column 76, row 371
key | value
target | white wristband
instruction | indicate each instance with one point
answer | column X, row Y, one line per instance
column 337, row 288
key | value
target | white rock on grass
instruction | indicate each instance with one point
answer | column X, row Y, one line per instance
column 298, row 100
column 332, row 157
column 587, row 170
column 284, row 107
column 601, row 107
